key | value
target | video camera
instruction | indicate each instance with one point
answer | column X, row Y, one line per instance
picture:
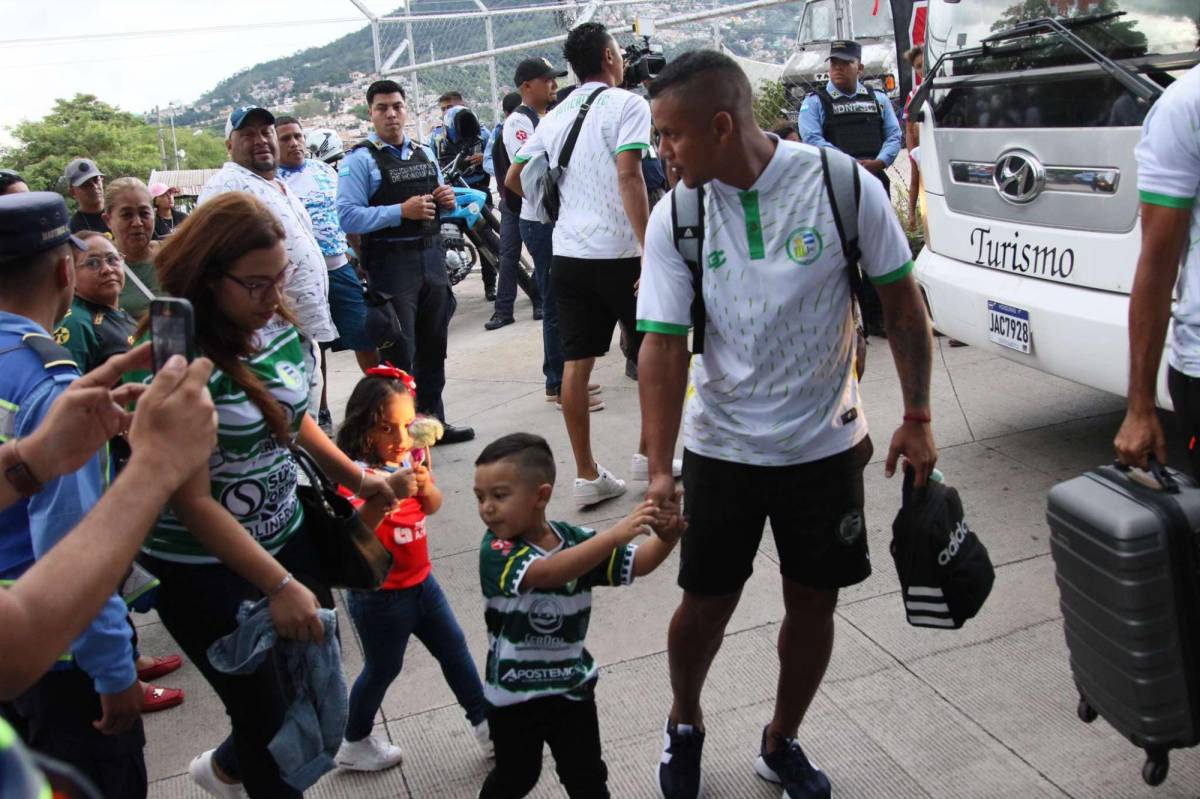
column 643, row 61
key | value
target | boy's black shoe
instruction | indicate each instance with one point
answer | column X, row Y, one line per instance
column 788, row 766
column 679, row 774
column 497, row 321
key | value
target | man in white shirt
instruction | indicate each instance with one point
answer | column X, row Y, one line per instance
column 598, row 236
column 775, row 428
column 1168, row 159
column 254, row 159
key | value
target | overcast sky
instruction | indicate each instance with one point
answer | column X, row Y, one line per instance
column 140, row 53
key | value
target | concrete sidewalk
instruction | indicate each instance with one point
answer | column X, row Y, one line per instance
column 987, row 711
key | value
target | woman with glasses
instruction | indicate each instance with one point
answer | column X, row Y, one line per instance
column 129, row 214
column 236, row 531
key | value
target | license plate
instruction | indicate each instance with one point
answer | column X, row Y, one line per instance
column 1008, row 326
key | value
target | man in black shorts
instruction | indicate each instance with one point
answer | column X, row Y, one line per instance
column 776, row 429
column 598, row 236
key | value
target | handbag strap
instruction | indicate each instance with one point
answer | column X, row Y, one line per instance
column 316, row 476
column 565, row 156
column 137, row 281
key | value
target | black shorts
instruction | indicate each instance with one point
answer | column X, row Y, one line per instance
column 815, row 509
column 593, row 296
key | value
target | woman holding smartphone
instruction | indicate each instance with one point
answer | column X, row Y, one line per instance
column 235, row 531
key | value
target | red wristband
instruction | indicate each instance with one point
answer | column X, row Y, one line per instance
column 923, row 418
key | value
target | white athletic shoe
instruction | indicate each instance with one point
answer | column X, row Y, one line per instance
column 592, row 492
column 203, row 774
column 639, row 467
column 483, row 736
column 369, row 754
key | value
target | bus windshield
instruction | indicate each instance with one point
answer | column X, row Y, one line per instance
column 1146, row 27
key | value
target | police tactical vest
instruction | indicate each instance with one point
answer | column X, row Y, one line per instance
column 853, row 123
column 402, row 179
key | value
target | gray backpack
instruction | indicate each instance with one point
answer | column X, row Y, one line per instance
column 843, row 189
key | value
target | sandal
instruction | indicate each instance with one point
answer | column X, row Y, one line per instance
column 161, row 667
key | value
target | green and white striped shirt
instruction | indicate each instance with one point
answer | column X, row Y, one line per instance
column 535, row 638
column 252, row 475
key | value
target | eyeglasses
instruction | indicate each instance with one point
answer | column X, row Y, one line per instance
column 257, row 288
column 95, row 263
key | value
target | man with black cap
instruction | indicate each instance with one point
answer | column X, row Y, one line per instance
column 847, row 116
column 389, row 192
column 85, row 181
column 86, row 711
column 254, row 159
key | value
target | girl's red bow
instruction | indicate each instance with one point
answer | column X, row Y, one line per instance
column 391, row 372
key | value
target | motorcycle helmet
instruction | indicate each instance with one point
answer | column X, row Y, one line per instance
column 462, row 126
column 325, row 144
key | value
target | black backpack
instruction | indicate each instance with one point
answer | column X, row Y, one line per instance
column 501, row 162
column 944, row 569
column 842, row 186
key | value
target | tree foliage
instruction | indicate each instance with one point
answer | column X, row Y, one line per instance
column 770, row 104
column 119, row 142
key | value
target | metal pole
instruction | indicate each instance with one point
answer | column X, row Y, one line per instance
column 504, row 12
column 174, row 141
column 375, row 46
column 416, row 84
column 162, row 143
column 491, row 43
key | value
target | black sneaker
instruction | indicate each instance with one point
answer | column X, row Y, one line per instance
column 537, row 313
column 489, row 293
column 325, row 421
column 497, row 322
column 679, row 774
column 788, row 766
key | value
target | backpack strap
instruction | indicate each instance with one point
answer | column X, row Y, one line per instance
column 843, row 187
column 564, row 157
column 534, row 119
column 687, row 231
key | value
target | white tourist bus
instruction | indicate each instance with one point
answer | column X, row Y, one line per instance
column 1029, row 118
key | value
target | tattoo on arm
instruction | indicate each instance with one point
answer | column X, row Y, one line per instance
column 912, row 347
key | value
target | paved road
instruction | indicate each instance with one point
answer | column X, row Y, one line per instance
column 988, row 711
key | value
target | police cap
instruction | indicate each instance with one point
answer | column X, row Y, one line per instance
column 845, row 49
column 33, row 222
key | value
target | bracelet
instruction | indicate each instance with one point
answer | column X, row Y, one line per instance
column 17, row 472
column 287, row 578
column 923, row 418
column 361, row 482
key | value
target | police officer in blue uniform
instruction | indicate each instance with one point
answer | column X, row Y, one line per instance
column 389, row 193
column 86, row 711
column 861, row 122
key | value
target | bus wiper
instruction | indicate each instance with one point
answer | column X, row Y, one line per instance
column 1144, row 91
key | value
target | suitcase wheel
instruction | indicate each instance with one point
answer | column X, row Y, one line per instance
column 1155, row 770
column 1086, row 713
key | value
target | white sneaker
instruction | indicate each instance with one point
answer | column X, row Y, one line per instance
column 483, row 736
column 369, row 754
column 203, row 774
column 591, row 492
column 639, row 467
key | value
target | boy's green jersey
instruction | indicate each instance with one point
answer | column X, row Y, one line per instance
column 535, row 638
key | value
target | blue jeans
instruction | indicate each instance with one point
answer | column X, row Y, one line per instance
column 539, row 240
column 385, row 619
column 511, row 273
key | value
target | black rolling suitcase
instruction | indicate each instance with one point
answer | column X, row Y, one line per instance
column 1126, row 563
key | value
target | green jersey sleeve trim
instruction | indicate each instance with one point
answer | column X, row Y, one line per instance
column 893, row 276
column 521, row 159
column 649, row 326
column 1166, row 200
column 633, row 146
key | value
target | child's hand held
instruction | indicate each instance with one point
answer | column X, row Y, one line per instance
column 403, row 483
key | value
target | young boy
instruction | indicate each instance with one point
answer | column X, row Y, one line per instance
column 537, row 578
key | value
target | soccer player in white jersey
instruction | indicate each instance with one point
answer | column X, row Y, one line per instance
column 775, row 428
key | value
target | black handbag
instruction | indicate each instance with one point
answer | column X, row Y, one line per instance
column 350, row 553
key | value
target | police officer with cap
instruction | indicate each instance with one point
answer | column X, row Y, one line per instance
column 848, row 116
column 389, row 192
column 86, row 711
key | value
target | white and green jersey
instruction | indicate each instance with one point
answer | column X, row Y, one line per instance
column 775, row 385
column 253, row 476
column 1168, row 158
column 535, row 638
column 592, row 221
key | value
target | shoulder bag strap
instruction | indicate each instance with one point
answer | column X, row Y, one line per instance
column 534, row 119
column 137, row 281
column 843, row 188
column 565, row 156
column 687, row 223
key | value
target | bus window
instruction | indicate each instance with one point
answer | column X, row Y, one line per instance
column 872, row 21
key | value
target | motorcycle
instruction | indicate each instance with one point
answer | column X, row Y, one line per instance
column 480, row 236
column 458, row 237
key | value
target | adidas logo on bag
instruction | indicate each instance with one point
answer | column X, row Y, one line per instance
column 956, row 538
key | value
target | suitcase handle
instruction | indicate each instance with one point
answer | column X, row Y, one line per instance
column 1156, row 478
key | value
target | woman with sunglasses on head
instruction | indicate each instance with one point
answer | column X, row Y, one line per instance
column 236, row 531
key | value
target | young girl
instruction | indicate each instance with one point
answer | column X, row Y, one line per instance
column 410, row 602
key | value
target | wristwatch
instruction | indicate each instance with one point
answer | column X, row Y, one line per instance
column 16, row 472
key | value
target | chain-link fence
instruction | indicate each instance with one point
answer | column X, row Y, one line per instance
column 473, row 46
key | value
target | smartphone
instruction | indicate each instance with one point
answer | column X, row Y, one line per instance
column 172, row 330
